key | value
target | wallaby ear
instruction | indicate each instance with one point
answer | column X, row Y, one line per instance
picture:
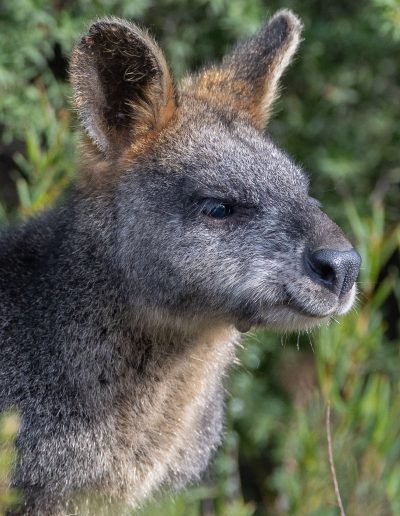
column 122, row 87
column 248, row 78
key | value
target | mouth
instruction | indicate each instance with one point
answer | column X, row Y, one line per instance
column 321, row 305
column 300, row 314
column 301, row 310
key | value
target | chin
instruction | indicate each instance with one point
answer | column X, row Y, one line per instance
column 289, row 319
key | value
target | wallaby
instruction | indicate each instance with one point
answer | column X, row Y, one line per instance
column 121, row 309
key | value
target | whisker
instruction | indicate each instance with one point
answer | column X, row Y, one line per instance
column 197, row 358
column 311, row 344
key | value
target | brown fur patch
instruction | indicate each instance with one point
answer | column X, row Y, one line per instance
column 219, row 87
column 247, row 80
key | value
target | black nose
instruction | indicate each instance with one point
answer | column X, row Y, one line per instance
column 336, row 270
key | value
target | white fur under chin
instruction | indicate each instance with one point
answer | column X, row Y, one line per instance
column 349, row 303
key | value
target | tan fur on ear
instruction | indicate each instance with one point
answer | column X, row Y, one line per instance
column 248, row 78
column 280, row 61
column 122, row 86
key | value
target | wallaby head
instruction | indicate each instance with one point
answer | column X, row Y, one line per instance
column 213, row 222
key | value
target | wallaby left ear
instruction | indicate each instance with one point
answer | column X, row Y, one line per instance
column 248, row 78
column 122, row 87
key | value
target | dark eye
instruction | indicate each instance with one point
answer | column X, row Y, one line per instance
column 217, row 210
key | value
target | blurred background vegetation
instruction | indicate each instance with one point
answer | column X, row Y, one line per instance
column 339, row 117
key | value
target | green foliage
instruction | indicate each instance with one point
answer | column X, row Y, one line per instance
column 8, row 430
column 45, row 168
column 338, row 116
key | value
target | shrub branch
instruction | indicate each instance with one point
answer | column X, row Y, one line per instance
column 330, row 454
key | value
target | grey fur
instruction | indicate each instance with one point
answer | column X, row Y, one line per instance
column 120, row 310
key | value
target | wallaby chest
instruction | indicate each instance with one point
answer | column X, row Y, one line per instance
column 169, row 423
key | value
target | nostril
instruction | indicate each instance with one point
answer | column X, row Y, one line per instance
column 336, row 270
column 327, row 273
column 323, row 271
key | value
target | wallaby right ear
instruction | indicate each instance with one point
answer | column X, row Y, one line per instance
column 248, row 78
column 122, row 87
